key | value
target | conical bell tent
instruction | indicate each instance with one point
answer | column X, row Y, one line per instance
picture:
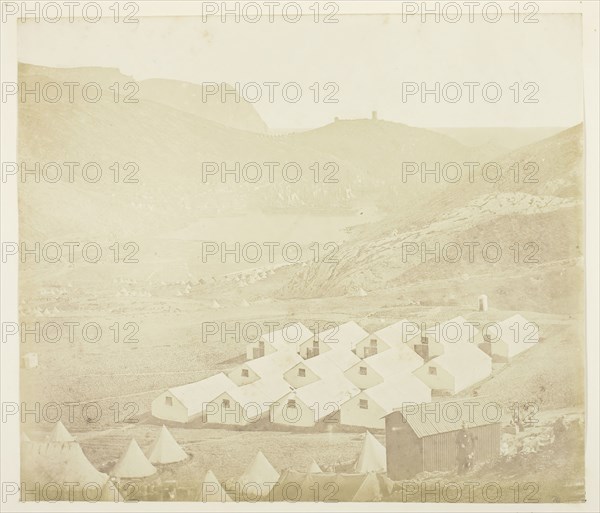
column 211, row 490
column 166, row 449
column 62, row 464
column 314, row 468
column 60, row 434
column 133, row 463
column 259, row 475
column 372, row 456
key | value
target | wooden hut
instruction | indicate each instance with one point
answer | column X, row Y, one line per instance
column 423, row 437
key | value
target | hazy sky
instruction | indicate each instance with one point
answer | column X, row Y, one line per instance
column 368, row 56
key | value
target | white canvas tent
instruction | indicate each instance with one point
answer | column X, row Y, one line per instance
column 314, row 468
column 372, row 457
column 399, row 333
column 61, row 464
column 508, row 338
column 323, row 366
column 187, row 402
column 166, row 449
column 273, row 365
column 345, row 336
column 368, row 408
column 288, row 338
column 377, row 368
column 458, row 368
column 210, row 490
column 259, row 477
column 310, row 404
column 133, row 463
column 248, row 403
column 60, row 434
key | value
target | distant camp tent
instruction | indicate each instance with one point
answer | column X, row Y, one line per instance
column 361, row 292
column 166, row 449
column 215, row 304
column 24, row 437
column 372, row 457
column 245, row 303
column 133, row 463
column 60, row 465
column 258, row 479
column 314, row 468
column 60, row 434
column 210, row 490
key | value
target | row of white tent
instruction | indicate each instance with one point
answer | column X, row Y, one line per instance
column 509, row 337
column 60, row 459
column 296, row 391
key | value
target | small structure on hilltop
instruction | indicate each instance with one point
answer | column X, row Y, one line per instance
column 133, row 463
column 483, row 303
column 436, row 437
column 166, row 449
column 372, row 456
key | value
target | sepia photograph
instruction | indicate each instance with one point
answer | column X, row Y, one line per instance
column 299, row 254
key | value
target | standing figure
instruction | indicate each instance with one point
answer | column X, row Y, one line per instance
column 465, row 445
